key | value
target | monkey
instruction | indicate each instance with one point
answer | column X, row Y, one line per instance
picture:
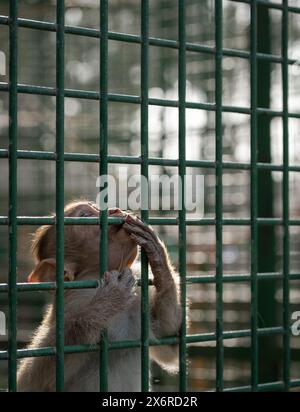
column 115, row 305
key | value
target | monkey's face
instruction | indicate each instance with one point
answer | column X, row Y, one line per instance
column 82, row 241
column 122, row 251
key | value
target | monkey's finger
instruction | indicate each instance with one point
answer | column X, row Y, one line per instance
column 149, row 247
column 151, row 244
column 126, row 272
column 138, row 222
column 140, row 232
column 138, row 240
column 125, row 275
column 113, row 276
column 148, row 236
column 127, row 279
column 130, row 282
column 146, row 241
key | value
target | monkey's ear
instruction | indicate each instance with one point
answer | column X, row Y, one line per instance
column 45, row 271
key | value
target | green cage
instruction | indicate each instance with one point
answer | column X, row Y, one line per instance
column 259, row 222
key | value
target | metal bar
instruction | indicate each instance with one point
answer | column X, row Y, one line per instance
column 59, row 219
column 59, row 156
column 50, row 220
column 254, row 211
column 103, row 169
column 12, row 217
column 30, row 287
column 240, row 278
column 266, row 253
column 182, row 173
column 219, row 195
column 145, row 364
column 82, row 94
column 285, row 204
column 94, row 158
column 199, row 338
column 131, row 38
column 34, row 221
column 92, row 95
column 228, row 278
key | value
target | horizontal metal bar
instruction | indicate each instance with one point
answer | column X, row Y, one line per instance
column 153, row 41
column 226, row 222
column 120, row 98
column 240, row 278
column 48, row 220
column 32, row 287
column 245, row 333
column 204, row 337
column 51, row 91
column 131, row 38
column 90, row 284
column 154, row 161
column 270, row 386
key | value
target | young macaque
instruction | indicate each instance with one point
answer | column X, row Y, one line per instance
column 114, row 305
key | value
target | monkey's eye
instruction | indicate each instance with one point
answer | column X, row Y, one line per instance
column 85, row 213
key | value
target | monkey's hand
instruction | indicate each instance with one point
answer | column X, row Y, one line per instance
column 115, row 293
column 145, row 237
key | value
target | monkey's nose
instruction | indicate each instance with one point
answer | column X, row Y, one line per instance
column 115, row 211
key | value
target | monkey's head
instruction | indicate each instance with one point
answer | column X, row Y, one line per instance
column 81, row 246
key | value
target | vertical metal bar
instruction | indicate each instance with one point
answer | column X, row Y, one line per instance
column 12, row 220
column 254, row 176
column 219, row 195
column 103, row 172
column 144, row 172
column 182, row 173
column 285, row 206
column 266, row 302
column 60, row 77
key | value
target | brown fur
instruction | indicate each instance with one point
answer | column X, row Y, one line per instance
column 114, row 305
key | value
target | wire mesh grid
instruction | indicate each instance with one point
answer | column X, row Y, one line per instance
column 144, row 161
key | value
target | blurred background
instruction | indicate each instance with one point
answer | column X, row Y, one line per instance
column 36, row 179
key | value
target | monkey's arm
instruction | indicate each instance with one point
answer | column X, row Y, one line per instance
column 112, row 297
column 165, row 315
column 83, row 323
column 165, row 302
